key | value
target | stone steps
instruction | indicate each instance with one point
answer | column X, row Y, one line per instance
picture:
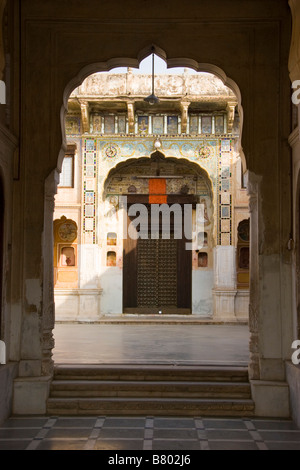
column 150, row 390
column 144, row 372
column 94, row 388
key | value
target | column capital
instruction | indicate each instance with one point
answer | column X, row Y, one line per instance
column 131, row 120
column 85, row 115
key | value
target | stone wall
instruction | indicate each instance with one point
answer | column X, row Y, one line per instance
column 247, row 46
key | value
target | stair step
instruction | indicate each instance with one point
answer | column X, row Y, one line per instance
column 89, row 388
column 151, row 390
column 144, row 372
column 150, row 406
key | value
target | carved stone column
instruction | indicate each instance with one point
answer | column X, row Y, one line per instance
column 48, row 281
column 131, row 120
column 85, row 116
column 231, row 105
column 253, row 188
column 184, row 115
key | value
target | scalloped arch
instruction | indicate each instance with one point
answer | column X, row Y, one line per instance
column 134, row 63
column 196, row 167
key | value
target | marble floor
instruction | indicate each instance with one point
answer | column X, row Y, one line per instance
column 147, row 434
column 175, row 343
column 157, row 343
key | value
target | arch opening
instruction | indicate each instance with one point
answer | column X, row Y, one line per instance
column 111, row 133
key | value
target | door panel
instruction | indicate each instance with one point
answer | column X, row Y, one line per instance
column 157, row 276
column 184, row 275
column 129, row 273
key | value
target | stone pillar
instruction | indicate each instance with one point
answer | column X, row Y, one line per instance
column 131, row 118
column 48, row 285
column 31, row 389
column 231, row 105
column 85, row 116
column 293, row 371
column 253, row 187
column 269, row 390
column 224, row 291
column 184, row 116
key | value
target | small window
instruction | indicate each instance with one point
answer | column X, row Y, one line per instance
column 172, row 125
column 122, row 124
column 66, row 179
column 243, row 182
column 112, row 239
column 193, row 122
column 202, row 260
column 109, row 124
column 206, row 124
column 111, row 259
column 158, row 125
column 219, row 124
column 67, row 173
column 244, row 258
column 244, row 230
column 143, row 124
column 67, row 256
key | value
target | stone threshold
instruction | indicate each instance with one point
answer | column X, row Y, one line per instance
column 156, row 319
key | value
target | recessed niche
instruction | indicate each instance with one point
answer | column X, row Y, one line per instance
column 202, row 260
column 202, row 240
column 67, row 256
column 111, row 259
column 244, row 258
column 112, row 239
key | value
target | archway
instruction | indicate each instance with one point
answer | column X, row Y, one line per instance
column 159, row 268
column 261, row 74
column 197, row 153
column 2, row 209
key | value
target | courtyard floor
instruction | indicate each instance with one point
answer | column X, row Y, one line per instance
column 154, row 342
column 159, row 342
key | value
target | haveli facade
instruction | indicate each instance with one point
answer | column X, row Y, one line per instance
column 120, row 146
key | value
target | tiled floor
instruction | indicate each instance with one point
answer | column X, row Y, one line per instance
column 174, row 343
column 147, row 433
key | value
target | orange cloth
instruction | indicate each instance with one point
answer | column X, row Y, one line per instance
column 157, row 191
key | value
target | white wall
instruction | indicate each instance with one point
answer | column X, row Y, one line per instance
column 202, row 285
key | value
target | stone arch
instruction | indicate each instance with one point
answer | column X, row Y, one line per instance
column 196, row 167
column 296, row 319
column 2, row 234
column 134, row 63
column 53, row 179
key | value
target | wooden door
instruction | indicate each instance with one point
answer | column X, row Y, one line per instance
column 157, row 276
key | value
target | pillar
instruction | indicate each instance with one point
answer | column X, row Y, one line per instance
column 224, row 291
column 31, row 388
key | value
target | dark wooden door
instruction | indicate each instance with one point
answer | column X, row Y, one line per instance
column 157, row 275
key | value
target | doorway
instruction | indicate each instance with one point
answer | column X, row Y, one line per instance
column 157, row 272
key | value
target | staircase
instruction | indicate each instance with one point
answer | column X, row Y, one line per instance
column 151, row 390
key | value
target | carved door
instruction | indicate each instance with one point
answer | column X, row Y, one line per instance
column 157, row 276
